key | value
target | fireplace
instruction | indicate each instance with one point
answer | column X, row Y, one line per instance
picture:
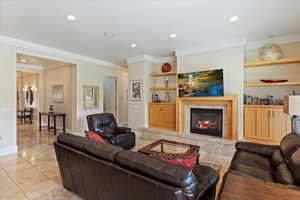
column 206, row 121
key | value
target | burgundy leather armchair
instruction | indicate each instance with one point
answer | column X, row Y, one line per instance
column 106, row 126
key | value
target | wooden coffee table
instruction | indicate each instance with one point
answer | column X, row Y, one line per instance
column 171, row 150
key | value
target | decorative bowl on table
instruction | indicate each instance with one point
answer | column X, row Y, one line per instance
column 273, row 81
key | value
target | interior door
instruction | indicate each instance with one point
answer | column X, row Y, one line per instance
column 109, row 95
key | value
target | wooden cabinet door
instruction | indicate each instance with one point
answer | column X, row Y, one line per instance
column 250, row 122
column 264, row 124
column 278, row 124
column 154, row 115
column 162, row 115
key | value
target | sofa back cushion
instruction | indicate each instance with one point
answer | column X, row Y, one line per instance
column 103, row 151
column 283, row 175
column 290, row 149
column 276, row 158
column 175, row 175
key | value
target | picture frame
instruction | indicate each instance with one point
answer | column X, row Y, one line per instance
column 136, row 90
column 58, row 93
column 90, row 97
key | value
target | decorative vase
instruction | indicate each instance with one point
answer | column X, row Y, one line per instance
column 271, row 52
column 166, row 67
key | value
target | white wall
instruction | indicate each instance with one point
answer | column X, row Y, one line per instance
column 231, row 60
column 8, row 81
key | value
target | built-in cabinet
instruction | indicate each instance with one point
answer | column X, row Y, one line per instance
column 162, row 115
column 266, row 123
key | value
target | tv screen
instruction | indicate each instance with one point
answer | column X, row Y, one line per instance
column 201, row 84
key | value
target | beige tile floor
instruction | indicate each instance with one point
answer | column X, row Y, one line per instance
column 33, row 173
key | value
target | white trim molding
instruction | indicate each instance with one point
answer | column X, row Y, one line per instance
column 4, row 151
column 284, row 39
column 211, row 47
column 52, row 51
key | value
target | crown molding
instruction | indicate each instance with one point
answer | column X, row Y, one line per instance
column 52, row 51
column 284, row 39
column 211, row 47
column 145, row 57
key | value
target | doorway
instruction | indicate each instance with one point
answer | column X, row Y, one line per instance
column 110, row 95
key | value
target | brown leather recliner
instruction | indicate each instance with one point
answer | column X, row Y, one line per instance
column 278, row 164
column 97, row 171
column 105, row 125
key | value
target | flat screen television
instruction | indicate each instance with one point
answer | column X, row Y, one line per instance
column 201, row 84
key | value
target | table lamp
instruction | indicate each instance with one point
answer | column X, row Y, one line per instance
column 292, row 107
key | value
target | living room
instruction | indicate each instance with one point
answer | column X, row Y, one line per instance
column 170, row 100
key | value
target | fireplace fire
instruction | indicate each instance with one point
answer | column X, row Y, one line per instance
column 207, row 121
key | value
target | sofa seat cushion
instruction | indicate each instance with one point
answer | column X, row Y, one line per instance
column 169, row 173
column 252, row 160
column 86, row 145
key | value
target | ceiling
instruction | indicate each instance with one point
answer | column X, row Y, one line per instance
column 147, row 23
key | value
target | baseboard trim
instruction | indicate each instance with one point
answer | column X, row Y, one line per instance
column 8, row 150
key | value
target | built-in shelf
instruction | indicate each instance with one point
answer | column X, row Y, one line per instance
column 163, row 74
column 163, row 88
column 295, row 83
column 262, row 106
column 272, row 62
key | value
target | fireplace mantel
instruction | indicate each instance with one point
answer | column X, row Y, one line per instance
column 230, row 101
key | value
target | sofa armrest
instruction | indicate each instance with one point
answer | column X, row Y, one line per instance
column 256, row 148
column 122, row 130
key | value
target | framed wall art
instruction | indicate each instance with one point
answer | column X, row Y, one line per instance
column 136, row 90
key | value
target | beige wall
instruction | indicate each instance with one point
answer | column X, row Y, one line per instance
column 7, row 100
column 290, row 72
column 231, row 60
column 60, row 76
column 138, row 110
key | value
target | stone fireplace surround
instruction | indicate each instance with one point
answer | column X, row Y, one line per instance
column 228, row 103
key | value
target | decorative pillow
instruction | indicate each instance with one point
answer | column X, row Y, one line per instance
column 95, row 136
column 186, row 162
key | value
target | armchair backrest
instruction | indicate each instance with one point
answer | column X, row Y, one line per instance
column 102, row 123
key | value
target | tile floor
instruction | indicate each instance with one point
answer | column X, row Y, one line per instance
column 33, row 173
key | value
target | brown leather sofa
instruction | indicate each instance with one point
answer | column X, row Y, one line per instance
column 98, row 171
column 276, row 164
column 106, row 126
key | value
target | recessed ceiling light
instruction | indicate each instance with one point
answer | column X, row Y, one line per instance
column 173, row 35
column 133, row 45
column 233, row 18
column 71, row 17
column 23, row 60
column 109, row 34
